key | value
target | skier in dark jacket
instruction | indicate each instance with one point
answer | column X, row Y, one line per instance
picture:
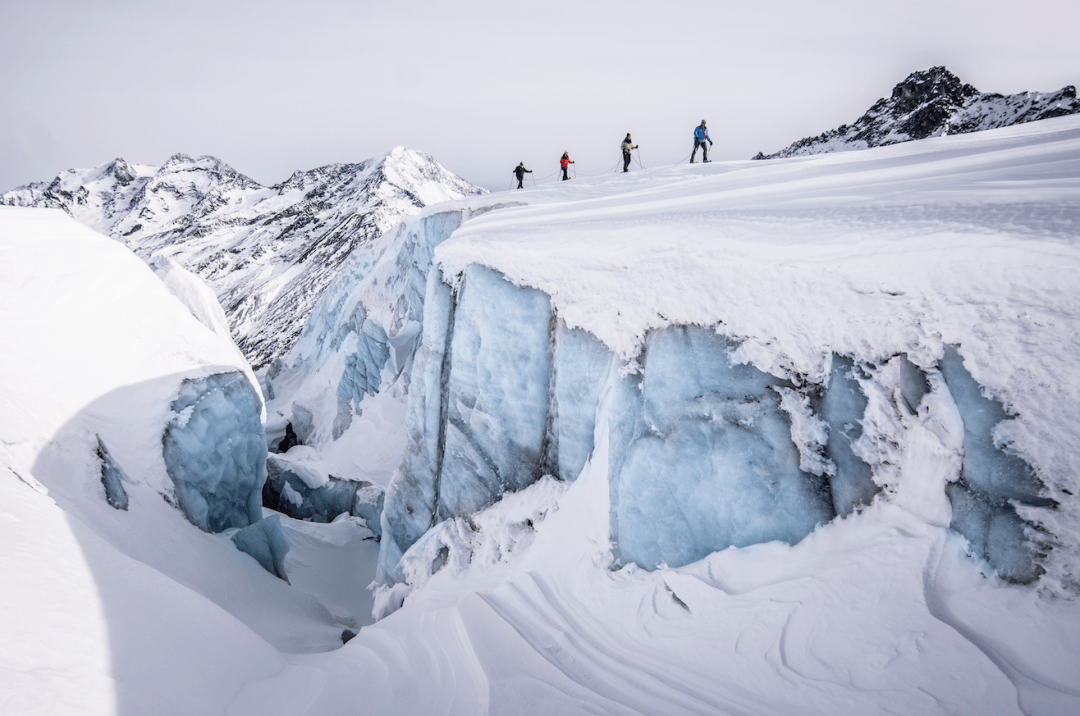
column 565, row 163
column 626, row 146
column 519, row 172
column 701, row 135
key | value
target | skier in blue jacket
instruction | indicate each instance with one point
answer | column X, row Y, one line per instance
column 701, row 135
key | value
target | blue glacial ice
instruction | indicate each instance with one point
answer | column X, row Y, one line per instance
column 112, row 478
column 479, row 417
column 362, row 374
column 215, row 451
column 409, row 509
column 265, row 541
column 367, row 322
column 710, row 462
column 842, row 408
column 496, row 394
column 580, row 370
column 993, row 480
column 913, row 384
column 293, row 494
column 503, row 392
column 996, row 533
column 997, row 473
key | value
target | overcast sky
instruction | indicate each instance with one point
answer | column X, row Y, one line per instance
column 270, row 86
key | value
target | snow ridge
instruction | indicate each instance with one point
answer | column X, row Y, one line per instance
column 931, row 104
column 267, row 252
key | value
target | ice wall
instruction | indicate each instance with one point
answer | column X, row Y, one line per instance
column 479, row 417
column 708, row 457
column 706, row 451
column 503, row 392
column 993, row 481
column 215, row 451
column 112, row 478
column 410, row 504
column 291, row 490
column 496, row 394
column 581, row 367
column 360, row 338
column 842, row 408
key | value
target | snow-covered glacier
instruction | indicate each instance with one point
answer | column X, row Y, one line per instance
column 741, row 378
column 747, row 437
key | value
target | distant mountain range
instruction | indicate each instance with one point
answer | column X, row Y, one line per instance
column 268, row 252
column 929, row 104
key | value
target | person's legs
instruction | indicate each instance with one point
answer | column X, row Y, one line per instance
column 626, row 161
column 564, row 176
column 693, row 154
column 520, row 179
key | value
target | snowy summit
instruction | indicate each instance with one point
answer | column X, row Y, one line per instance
column 267, row 252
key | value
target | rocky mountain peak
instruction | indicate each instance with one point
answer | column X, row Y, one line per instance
column 931, row 103
column 121, row 171
column 204, row 172
column 935, row 84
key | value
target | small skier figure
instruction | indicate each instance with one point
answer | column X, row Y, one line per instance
column 626, row 146
column 565, row 163
column 519, row 172
column 701, row 135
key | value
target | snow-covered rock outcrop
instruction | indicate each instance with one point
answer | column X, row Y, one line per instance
column 267, row 252
column 930, row 104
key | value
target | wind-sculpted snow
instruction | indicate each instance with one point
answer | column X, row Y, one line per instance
column 930, row 104
column 267, row 252
column 215, row 451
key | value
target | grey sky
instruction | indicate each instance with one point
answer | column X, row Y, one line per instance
column 273, row 86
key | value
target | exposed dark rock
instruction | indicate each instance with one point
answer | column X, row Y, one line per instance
column 930, row 104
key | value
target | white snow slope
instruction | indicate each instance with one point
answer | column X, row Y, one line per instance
column 969, row 241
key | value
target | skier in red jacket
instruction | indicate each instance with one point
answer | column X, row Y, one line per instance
column 564, row 163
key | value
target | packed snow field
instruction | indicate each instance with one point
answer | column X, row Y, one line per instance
column 786, row 437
